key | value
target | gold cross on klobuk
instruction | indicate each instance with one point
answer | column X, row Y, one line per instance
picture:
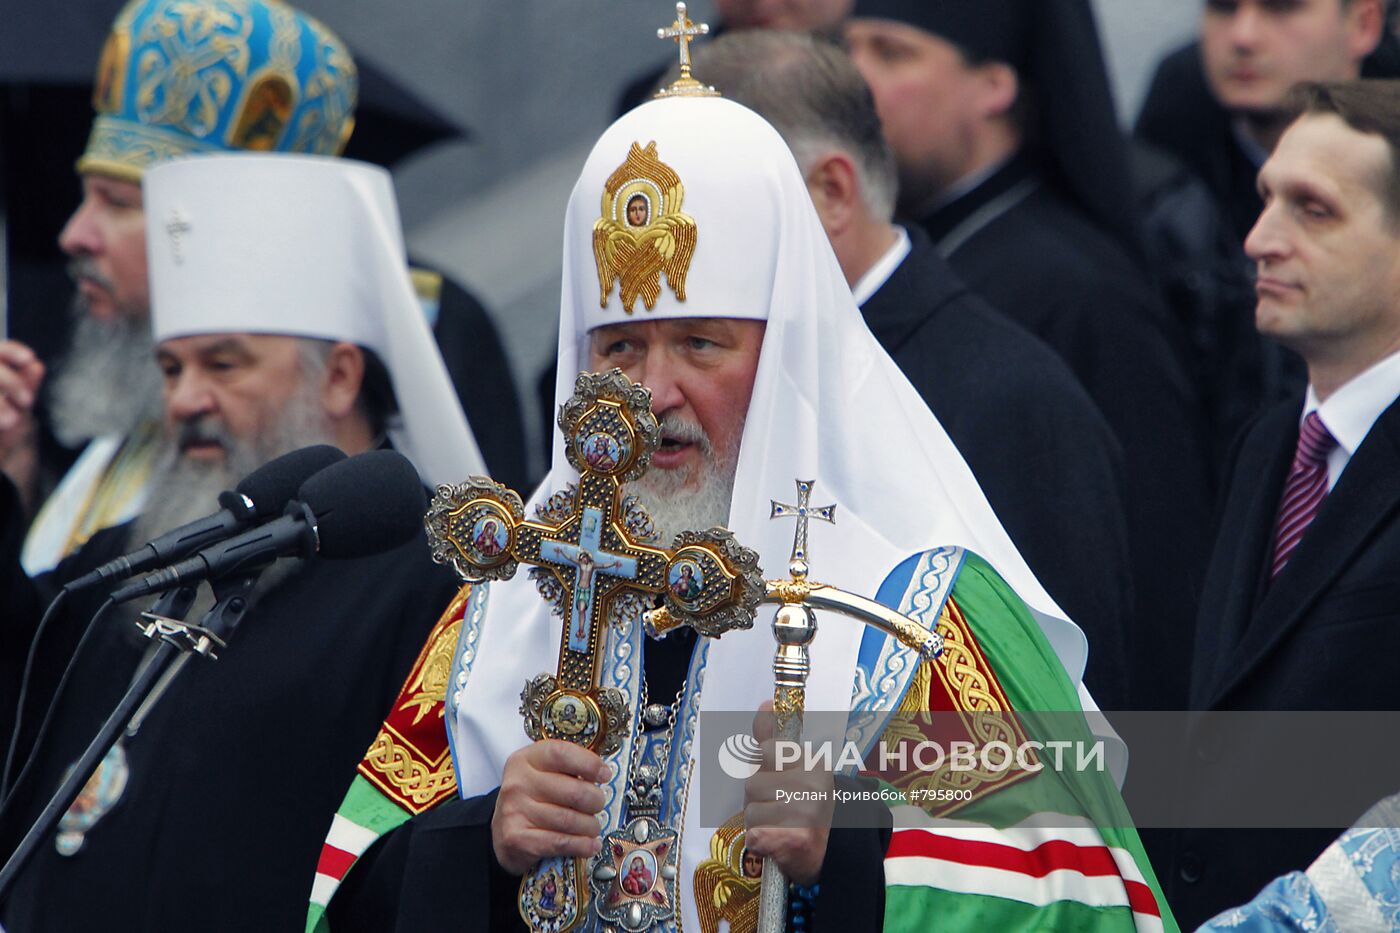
column 684, row 32
column 595, row 558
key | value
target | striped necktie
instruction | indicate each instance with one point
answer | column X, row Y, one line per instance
column 1305, row 489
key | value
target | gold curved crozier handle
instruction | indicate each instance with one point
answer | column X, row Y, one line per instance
column 821, row 596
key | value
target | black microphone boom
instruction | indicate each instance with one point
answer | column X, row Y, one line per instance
column 260, row 496
column 294, row 534
column 362, row 506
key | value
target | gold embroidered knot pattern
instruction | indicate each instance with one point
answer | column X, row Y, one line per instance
column 416, row 783
column 976, row 695
column 642, row 231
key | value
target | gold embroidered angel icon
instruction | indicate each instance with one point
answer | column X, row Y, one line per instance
column 642, row 231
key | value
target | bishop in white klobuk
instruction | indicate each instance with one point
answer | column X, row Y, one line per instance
column 827, row 403
column 307, row 247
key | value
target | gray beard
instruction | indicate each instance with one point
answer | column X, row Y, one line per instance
column 184, row 490
column 108, row 383
column 675, row 508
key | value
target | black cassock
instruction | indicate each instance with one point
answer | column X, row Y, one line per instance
column 236, row 773
column 1020, row 245
column 477, row 364
column 1041, row 451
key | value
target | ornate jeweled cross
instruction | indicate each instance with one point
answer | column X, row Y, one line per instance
column 594, row 557
column 683, row 31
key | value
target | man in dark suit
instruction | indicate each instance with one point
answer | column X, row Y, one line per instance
column 1301, row 604
column 1041, row 451
column 1217, row 105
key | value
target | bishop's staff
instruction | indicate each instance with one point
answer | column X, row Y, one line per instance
column 794, row 627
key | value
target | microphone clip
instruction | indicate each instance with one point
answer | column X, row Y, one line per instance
column 185, row 637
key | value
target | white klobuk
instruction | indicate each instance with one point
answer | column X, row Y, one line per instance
column 303, row 246
column 828, row 404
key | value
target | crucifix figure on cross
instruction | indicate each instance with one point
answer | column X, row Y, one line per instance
column 589, row 560
column 594, row 556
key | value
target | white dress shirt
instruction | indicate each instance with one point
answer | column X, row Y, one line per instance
column 878, row 274
column 1350, row 411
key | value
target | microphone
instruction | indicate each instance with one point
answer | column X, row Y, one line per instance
column 361, row 506
column 261, row 495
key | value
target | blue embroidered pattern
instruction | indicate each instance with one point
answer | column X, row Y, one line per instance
column 463, row 659
column 919, row 587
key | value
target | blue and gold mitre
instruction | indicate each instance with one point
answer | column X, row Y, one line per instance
column 187, row 76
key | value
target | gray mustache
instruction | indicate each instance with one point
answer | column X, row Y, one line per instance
column 86, row 268
column 202, row 429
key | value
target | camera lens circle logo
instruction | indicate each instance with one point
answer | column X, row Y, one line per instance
column 739, row 756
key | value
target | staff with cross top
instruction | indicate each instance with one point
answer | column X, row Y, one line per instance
column 802, row 511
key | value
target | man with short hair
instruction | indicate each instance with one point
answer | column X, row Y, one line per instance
column 1299, row 604
column 284, row 317
column 760, row 371
column 1003, row 397
column 1002, row 125
column 1220, row 103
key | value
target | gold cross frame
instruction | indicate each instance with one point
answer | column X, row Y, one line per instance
column 595, row 558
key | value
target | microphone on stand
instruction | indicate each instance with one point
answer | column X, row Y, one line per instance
column 261, row 495
column 360, row 506
column 364, row 505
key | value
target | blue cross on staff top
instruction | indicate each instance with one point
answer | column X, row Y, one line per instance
column 589, row 560
column 802, row 511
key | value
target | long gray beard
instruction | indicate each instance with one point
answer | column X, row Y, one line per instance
column 184, row 490
column 108, row 383
column 675, row 508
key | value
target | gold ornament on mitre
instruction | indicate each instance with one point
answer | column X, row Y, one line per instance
column 642, row 231
column 683, row 31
